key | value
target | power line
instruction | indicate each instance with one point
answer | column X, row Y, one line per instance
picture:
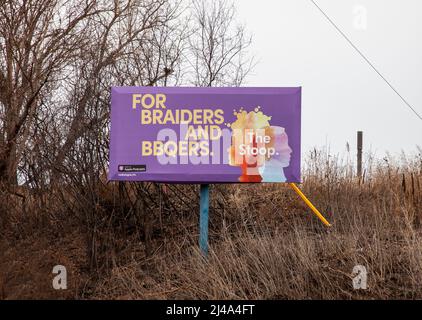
column 367, row 60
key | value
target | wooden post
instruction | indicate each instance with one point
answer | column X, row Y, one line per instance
column 203, row 219
column 359, row 154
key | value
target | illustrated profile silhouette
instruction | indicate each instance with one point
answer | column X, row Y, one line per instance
column 272, row 170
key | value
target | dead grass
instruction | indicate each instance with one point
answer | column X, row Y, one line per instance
column 265, row 244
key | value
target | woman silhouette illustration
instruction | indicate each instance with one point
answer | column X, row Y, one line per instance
column 272, row 170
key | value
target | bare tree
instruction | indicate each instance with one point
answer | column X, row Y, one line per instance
column 59, row 58
column 37, row 39
column 122, row 46
column 219, row 45
column 58, row 61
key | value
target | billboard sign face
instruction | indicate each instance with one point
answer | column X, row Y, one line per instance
column 205, row 135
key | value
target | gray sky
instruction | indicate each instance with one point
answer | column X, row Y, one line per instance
column 295, row 45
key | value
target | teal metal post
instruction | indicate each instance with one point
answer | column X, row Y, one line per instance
column 203, row 219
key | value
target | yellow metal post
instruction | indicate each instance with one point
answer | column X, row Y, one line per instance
column 310, row 205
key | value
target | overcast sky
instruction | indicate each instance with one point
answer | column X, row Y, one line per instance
column 295, row 45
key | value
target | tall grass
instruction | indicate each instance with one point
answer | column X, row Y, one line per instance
column 266, row 244
column 140, row 241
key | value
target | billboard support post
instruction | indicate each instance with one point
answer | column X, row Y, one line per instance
column 203, row 219
column 309, row 204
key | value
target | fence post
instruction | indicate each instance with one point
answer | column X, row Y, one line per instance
column 359, row 154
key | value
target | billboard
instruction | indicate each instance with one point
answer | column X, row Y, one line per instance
column 205, row 135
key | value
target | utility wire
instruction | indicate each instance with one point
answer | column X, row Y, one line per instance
column 369, row 62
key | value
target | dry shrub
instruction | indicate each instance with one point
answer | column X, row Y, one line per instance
column 266, row 245
column 139, row 241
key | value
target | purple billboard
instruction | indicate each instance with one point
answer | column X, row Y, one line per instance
column 205, row 135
